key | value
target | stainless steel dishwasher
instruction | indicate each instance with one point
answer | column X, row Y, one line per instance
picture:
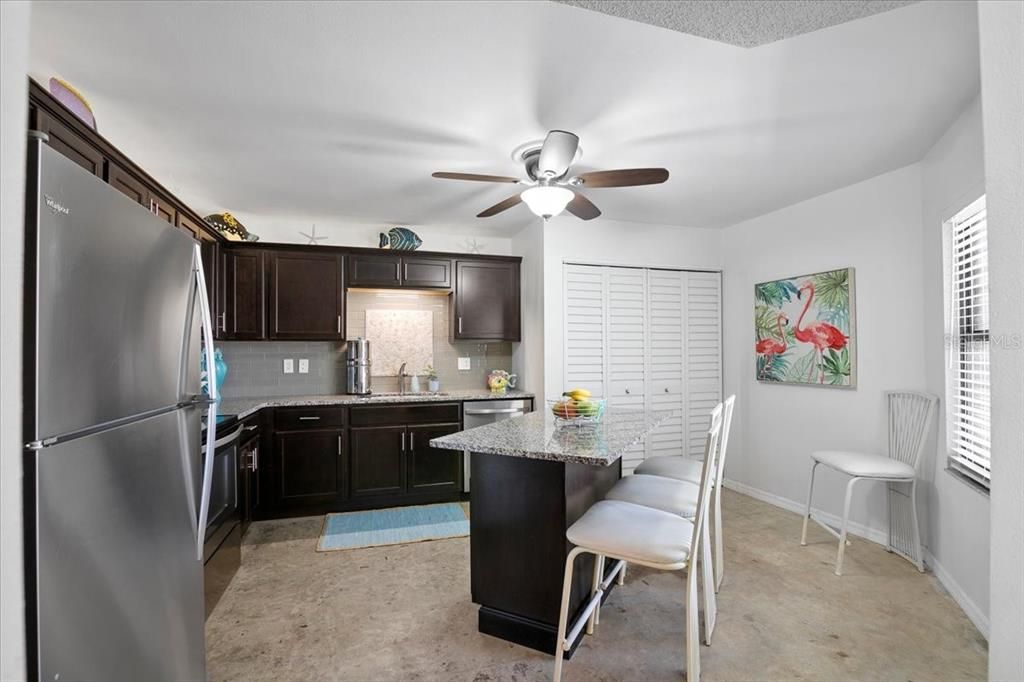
column 481, row 412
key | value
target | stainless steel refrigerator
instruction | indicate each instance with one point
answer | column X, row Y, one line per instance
column 115, row 475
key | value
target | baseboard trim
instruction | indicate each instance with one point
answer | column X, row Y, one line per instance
column 879, row 536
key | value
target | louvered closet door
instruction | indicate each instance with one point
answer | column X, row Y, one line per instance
column 702, row 355
column 585, row 298
column 665, row 350
column 627, row 348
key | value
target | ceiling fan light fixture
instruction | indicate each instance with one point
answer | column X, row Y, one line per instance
column 547, row 201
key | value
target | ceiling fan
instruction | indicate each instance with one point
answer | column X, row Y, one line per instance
column 551, row 188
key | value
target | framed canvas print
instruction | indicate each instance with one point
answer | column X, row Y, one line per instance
column 805, row 330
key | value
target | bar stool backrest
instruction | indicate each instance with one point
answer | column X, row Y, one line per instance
column 707, row 471
column 910, row 416
column 723, row 439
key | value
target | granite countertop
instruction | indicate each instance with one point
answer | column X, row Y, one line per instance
column 536, row 436
column 243, row 407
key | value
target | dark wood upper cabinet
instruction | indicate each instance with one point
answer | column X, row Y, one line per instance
column 309, row 467
column 426, row 273
column 186, row 224
column 485, row 305
column 64, row 140
column 127, row 184
column 365, row 270
column 244, row 309
column 431, row 469
column 377, row 460
column 307, row 295
column 392, row 270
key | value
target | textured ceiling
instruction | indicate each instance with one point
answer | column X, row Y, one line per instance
column 283, row 111
column 746, row 23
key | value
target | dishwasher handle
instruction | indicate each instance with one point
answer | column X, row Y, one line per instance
column 509, row 410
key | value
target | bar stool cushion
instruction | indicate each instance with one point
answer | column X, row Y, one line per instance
column 633, row 532
column 863, row 464
column 677, row 467
column 666, row 494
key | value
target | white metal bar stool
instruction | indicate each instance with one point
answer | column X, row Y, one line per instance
column 910, row 417
column 687, row 469
column 641, row 535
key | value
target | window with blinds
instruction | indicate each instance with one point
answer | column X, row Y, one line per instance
column 967, row 385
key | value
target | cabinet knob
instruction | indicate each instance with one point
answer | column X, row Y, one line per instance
column 666, row 389
column 627, row 391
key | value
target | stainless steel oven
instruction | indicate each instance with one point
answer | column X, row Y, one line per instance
column 222, row 550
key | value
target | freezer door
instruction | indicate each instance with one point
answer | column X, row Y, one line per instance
column 120, row 591
column 113, row 290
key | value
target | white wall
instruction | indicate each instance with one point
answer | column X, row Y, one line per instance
column 957, row 533
column 528, row 356
column 610, row 242
column 875, row 227
column 1001, row 29
column 339, row 232
column 14, row 25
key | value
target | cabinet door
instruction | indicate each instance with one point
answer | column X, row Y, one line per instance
column 309, row 467
column 186, row 224
column 69, row 143
column 366, row 270
column 431, row 469
column 245, row 295
column 307, row 296
column 127, row 184
column 426, row 273
column 377, row 460
column 486, row 301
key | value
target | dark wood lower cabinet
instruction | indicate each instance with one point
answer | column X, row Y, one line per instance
column 309, row 467
column 377, row 460
column 431, row 469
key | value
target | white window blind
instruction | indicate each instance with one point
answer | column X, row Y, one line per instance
column 968, row 400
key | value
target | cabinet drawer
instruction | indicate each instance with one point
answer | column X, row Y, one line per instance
column 387, row 415
column 290, row 418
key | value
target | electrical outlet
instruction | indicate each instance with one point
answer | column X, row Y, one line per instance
column 303, row 366
column 465, row 363
column 289, row 366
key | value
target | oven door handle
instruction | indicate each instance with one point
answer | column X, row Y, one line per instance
column 221, row 442
column 511, row 410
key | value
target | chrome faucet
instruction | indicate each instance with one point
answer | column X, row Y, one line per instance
column 401, row 379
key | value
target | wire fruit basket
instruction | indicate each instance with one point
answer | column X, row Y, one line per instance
column 577, row 412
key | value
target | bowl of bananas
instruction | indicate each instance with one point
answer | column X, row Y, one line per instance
column 576, row 407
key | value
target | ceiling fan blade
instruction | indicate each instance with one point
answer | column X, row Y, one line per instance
column 474, row 177
column 558, row 152
column 500, row 206
column 582, row 207
column 626, row 177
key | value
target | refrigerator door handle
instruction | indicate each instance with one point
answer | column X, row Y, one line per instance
column 211, row 417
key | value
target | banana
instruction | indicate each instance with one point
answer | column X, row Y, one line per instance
column 577, row 394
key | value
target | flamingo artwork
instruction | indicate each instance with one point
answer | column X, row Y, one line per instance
column 820, row 334
column 771, row 347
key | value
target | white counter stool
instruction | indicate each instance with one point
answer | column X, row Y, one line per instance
column 687, row 469
column 641, row 535
column 680, row 498
column 910, row 416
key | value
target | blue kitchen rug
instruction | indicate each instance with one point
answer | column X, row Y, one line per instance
column 395, row 526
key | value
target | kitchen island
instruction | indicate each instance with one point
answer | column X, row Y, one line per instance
column 532, row 480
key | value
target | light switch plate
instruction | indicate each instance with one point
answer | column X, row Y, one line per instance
column 465, row 363
column 289, row 366
column 303, row 365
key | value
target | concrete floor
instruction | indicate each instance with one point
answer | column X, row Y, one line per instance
column 403, row 613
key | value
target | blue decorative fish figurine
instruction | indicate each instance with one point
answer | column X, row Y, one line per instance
column 400, row 239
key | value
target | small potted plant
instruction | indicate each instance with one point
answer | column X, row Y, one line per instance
column 433, row 382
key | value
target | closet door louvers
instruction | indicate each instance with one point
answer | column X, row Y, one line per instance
column 665, row 351
column 627, row 348
column 702, row 355
column 585, row 328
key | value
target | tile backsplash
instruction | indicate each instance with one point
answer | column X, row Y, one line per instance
column 255, row 367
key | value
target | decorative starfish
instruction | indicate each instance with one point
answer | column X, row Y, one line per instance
column 473, row 247
column 313, row 237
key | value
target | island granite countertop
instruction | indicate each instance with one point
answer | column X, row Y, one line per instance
column 243, row 407
column 537, row 436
